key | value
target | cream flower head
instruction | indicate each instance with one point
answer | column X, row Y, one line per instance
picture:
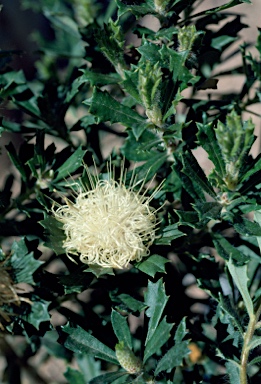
column 109, row 224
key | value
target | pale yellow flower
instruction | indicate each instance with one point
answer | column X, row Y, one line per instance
column 109, row 224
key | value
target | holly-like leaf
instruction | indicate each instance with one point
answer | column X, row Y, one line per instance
column 239, row 275
column 121, row 328
column 173, row 358
column 169, row 233
column 38, row 314
column 112, row 377
column 152, row 265
column 227, row 251
column 23, row 263
column 156, row 300
column 106, row 108
column 78, row 340
column 55, row 234
column 192, row 169
column 160, row 337
column 131, row 303
column 70, row 165
column 74, row 377
column 233, row 372
column 207, row 139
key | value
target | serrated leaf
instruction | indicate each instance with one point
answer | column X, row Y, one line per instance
column 227, row 251
column 233, row 316
column 256, row 360
column 221, row 41
column 39, row 313
column 70, row 165
column 152, row 265
column 139, row 150
column 133, row 304
column 106, row 108
column 156, row 300
column 78, row 340
column 16, row 160
column 49, row 342
column 173, row 358
column 208, row 211
column 75, row 282
column 89, row 367
column 181, row 331
column 233, row 372
column 121, row 328
column 99, row 271
column 151, row 167
column 239, row 275
column 246, row 227
column 74, row 377
column 254, row 343
column 231, row 4
column 23, row 263
column 257, row 218
column 55, row 234
column 160, row 337
column 169, row 233
column 207, row 139
column 192, row 169
column 108, row 378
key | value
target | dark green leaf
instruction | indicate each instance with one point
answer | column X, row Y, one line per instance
column 226, row 250
column 233, row 372
column 78, row 340
column 160, row 337
column 16, row 160
column 23, row 263
column 173, row 358
column 192, row 169
column 106, row 108
column 156, row 300
column 246, row 227
column 70, row 165
column 74, row 377
column 239, row 274
column 39, row 313
column 169, row 233
column 231, row 4
column 133, row 304
column 99, row 271
column 152, row 265
column 208, row 211
column 121, row 328
column 55, row 234
column 140, row 150
column 108, row 378
column 181, row 331
column 221, row 41
column 207, row 139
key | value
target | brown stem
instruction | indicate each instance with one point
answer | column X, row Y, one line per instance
column 247, row 338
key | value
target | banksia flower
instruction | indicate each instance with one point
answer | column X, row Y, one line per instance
column 109, row 224
column 131, row 363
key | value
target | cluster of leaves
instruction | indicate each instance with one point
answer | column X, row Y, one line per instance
column 102, row 71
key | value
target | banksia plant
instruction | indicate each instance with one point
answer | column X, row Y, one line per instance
column 147, row 269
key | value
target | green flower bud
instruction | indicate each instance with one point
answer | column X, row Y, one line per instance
column 127, row 359
column 235, row 140
column 186, row 37
column 150, row 77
